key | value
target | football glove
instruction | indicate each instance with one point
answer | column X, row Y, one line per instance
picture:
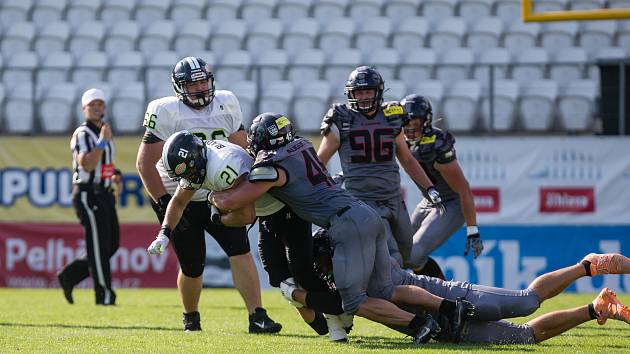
column 436, row 200
column 158, row 246
column 474, row 241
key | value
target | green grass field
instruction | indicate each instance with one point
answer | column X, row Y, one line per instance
column 149, row 321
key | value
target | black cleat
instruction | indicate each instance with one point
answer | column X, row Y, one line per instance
column 429, row 330
column 259, row 322
column 192, row 321
column 464, row 311
column 67, row 288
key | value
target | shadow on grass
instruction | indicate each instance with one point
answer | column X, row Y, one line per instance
column 61, row 325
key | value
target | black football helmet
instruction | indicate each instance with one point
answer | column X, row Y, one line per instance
column 184, row 156
column 416, row 106
column 270, row 131
column 323, row 252
column 362, row 78
column 191, row 69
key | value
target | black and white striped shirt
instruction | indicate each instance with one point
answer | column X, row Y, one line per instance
column 84, row 140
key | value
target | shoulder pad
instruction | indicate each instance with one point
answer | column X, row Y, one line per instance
column 444, row 146
column 332, row 117
column 263, row 174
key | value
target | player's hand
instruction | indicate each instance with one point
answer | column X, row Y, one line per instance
column 158, row 246
column 474, row 241
column 436, row 200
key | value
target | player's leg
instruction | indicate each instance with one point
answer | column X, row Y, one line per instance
column 385, row 212
column 402, row 230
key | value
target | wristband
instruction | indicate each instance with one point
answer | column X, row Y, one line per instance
column 101, row 143
column 471, row 230
column 166, row 231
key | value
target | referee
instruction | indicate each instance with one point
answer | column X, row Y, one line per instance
column 94, row 200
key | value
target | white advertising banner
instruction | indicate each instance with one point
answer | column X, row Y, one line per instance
column 543, row 180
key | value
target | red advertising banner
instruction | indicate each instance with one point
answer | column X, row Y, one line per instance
column 567, row 200
column 31, row 255
column 486, row 200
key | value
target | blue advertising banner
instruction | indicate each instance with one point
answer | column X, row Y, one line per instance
column 515, row 255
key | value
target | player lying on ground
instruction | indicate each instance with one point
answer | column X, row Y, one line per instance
column 492, row 304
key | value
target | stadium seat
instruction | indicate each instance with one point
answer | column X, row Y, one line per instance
column 310, row 104
column 184, row 11
column 595, row 35
column 14, row 11
column 336, row 35
column 82, row 11
column 508, row 10
column 556, row 35
column 114, row 11
column 159, row 68
column 55, row 68
column 398, row 10
column 81, row 88
column 157, row 37
column 434, row 91
column 46, row 11
column 485, row 33
column 530, row 64
column 504, row 103
column 537, row 104
column 436, row 10
column 498, row 59
column 247, row 93
column 576, row 104
column 340, row 65
column 549, row 5
column 150, row 11
column 447, row 33
column 360, row 10
column 395, row 90
column 219, row 11
column 327, row 10
column 306, row 66
column 614, row 53
column 52, row 38
column 125, row 67
column 567, row 64
column 2, row 94
column 90, row 67
column 19, row 69
column 86, row 37
column 385, row 61
column 519, row 36
column 272, row 64
column 18, row 38
column 56, row 108
column 290, row 11
column 263, row 35
column 300, row 35
column 417, row 65
column 252, row 11
column 122, row 37
column 460, row 105
column 373, row 33
column 19, row 109
column 234, row 66
column 472, row 10
column 192, row 36
column 454, row 65
column 128, row 107
column 618, row 4
column 228, row 36
column 586, row 4
column 277, row 97
column 164, row 89
column 623, row 35
column 410, row 34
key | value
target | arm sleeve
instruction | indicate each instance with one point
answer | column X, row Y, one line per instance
column 158, row 122
column 445, row 148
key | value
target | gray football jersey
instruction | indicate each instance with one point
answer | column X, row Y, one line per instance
column 310, row 191
column 367, row 151
column 437, row 147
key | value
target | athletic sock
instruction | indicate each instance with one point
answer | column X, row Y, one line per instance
column 447, row 307
column 591, row 312
column 587, row 267
column 319, row 324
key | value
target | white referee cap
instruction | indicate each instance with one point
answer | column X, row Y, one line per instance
column 91, row 95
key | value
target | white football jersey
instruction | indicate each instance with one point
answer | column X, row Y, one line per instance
column 168, row 115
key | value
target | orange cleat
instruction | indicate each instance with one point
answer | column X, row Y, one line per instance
column 607, row 263
column 608, row 307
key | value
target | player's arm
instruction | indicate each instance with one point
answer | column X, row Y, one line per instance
column 327, row 148
column 149, row 153
column 237, row 217
column 410, row 164
column 176, row 207
column 260, row 180
column 239, row 138
column 454, row 176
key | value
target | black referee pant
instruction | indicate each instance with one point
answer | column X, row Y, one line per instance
column 96, row 209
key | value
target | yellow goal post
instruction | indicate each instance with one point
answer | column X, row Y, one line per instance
column 529, row 15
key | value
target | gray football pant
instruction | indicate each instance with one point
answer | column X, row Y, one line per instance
column 399, row 230
column 361, row 259
column 491, row 306
column 432, row 230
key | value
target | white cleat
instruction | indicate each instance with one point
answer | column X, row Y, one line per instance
column 287, row 287
column 336, row 328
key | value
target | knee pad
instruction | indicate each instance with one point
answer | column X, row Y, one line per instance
column 192, row 270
